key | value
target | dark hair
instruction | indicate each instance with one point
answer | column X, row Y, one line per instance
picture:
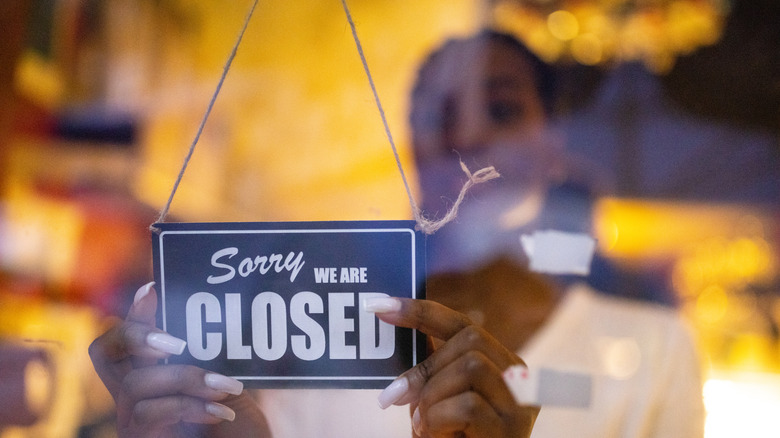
column 544, row 74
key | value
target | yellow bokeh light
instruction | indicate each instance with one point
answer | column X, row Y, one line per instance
column 655, row 33
column 750, row 351
column 748, row 258
column 547, row 47
column 587, row 49
column 688, row 277
column 563, row 25
column 711, row 305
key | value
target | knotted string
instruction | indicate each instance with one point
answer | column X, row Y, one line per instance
column 428, row 226
column 225, row 69
column 424, row 224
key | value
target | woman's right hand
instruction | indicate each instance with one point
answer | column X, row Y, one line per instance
column 156, row 400
column 459, row 389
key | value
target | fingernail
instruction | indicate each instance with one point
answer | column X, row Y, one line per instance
column 416, row 421
column 224, row 383
column 166, row 343
column 142, row 292
column 393, row 392
column 381, row 305
column 220, row 411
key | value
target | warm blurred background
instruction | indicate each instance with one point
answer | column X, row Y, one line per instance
column 675, row 102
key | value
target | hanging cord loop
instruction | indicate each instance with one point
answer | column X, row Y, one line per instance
column 425, row 225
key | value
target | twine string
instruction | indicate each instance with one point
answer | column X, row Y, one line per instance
column 482, row 175
column 424, row 224
column 225, row 69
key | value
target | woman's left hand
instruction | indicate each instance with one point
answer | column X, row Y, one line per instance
column 458, row 391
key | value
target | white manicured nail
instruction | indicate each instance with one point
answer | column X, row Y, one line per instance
column 416, row 421
column 142, row 292
column 394, row 392
column 224, row 383
column 166, row 343
column 220, row 411
column 381, row 305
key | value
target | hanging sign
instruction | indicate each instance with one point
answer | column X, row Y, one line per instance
column 280, row 304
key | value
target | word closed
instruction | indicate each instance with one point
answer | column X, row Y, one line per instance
column 270, row 318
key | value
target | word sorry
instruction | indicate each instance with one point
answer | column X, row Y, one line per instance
column 270, row 327
column 262, row 264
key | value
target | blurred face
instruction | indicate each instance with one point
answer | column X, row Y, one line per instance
column 478, row 102
column 479, row 95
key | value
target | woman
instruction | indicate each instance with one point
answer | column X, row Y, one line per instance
column 486, row 100
column 480, row 100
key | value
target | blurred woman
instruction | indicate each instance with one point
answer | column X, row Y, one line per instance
column 480, row 100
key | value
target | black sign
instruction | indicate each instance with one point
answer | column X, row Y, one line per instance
column 280, row 304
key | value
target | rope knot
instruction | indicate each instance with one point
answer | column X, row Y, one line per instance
column 428, row 226
column 482, row 175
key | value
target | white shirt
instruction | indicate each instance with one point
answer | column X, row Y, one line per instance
column 645, row 370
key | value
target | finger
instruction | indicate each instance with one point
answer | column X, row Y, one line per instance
column 144, row 307
column 164, row 380
column 471, row 340
column 111, row 353
column 159, row 413
column 111, row 346
column 414, row 414
column 167, row 383
column 250, row 420
column 470, row 415
column 470, row 372
column 429, row 317
column 466, row 414
column 136, row 339
column 141, row 320
column 103, row 352
column 137, row 336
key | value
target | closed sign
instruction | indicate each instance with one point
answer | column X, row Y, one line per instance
column 280, row 304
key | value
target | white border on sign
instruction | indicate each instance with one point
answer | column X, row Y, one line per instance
column 299, row 231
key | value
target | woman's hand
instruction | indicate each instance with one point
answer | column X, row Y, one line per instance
column 458, row 391
column 167, row 401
